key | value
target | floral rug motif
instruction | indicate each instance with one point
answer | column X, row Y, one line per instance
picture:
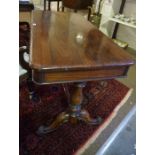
column 102, row 98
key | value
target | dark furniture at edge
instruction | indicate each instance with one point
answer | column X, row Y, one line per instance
column 78, row 5
column 26, row 6
column 49, row 4
column 24, row 48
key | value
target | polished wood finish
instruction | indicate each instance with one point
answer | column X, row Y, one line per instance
column 74, row 113
column 25, row 9
column 41, row 77
column 67, row 48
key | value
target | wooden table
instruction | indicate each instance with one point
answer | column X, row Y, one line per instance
column 65, row 48
column 25, row 9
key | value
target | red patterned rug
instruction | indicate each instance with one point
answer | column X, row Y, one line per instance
column 102, row 98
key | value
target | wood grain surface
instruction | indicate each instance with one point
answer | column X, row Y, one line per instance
column 63, row 43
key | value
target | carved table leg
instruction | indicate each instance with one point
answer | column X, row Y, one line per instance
column 84, row 115
column 73, row 113
column 76, row 111
column 65, row 87
column 60, row 119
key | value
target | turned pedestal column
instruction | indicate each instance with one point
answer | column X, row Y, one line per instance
column 73, row 114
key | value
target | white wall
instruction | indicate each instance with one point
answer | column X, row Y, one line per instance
column 111, row 7
column 38, row 2
column 126, row 33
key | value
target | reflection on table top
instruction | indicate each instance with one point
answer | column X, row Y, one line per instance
column 68, row 41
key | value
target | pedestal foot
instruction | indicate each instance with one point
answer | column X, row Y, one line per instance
column 60, row 119
column 74, row 112
column 84, row 115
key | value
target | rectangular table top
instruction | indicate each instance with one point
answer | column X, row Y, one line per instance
column 66, row 42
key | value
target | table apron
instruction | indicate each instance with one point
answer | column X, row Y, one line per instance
column 49, row 77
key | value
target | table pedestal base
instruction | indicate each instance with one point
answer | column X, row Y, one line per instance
column 73, row 114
